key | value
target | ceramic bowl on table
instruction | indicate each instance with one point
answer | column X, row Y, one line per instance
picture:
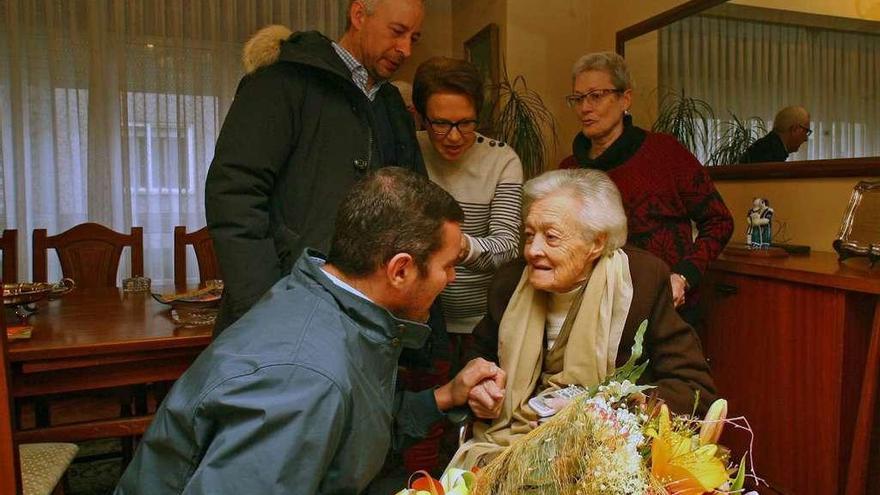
column 198, row 307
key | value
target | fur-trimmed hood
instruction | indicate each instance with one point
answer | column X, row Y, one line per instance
column 264, row 47
column 305, row 48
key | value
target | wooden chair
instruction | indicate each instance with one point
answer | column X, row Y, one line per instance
column 28, row 468
column 201, row 242
column 9, row 247
column 89, row 254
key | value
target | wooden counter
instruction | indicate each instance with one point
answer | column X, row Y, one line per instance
column 818, row 268
column 794, row 345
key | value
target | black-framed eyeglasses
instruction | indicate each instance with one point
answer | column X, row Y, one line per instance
column 592, row 98
column 806, row 129
column 444, row 127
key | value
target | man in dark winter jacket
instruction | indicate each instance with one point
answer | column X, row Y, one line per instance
column 310, row 118
column 300, row 395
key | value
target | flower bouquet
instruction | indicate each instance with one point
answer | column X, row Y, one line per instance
column 611, row 439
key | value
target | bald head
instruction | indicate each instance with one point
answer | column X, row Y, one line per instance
column 789, row 117
column 792, row 124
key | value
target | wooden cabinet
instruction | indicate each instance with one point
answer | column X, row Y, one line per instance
column 793, row 344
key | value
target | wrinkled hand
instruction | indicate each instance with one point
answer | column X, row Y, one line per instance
column 487, row 398
column 458, row 391
column 678, row 290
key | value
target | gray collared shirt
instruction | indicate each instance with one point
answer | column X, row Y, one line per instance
column 359, row 74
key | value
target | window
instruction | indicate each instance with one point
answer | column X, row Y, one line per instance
column 162, row 141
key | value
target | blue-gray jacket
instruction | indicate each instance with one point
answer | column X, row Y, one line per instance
column 298, row 396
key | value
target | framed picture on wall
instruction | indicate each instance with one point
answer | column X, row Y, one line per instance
column 482, row 51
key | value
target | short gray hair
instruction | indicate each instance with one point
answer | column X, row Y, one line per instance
column 608, row 62
column 601, row 207
column 369, row 7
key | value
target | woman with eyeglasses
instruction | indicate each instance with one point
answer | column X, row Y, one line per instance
column 484, row 175
column 663, row 186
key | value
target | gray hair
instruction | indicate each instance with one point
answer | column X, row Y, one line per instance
column 369, row 7
column 608, row 62
column 601, row 209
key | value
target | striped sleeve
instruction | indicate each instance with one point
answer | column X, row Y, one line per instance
column 501, row 242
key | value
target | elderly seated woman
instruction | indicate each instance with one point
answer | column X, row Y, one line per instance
column 569, row 316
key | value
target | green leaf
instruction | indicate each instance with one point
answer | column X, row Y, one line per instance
column 687, row 119
column 523, row 121
column 630, row 370
column 740, row 479
column 736, row 135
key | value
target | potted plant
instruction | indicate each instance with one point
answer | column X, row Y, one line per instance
column 736, row 135
column 523, row 121
column 687, row 119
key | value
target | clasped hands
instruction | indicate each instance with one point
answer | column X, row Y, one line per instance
column 480, row 385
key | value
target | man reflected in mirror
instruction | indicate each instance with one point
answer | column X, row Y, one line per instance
column 791, row 128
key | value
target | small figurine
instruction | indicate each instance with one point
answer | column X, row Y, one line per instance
column 760, row 224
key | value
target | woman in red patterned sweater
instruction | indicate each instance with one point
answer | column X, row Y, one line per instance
column 663, row 186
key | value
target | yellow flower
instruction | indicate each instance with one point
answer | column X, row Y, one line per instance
column 682, row 469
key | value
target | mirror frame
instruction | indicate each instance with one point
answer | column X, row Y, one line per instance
column 660, row 20
column 845, row 247
column 842, row 167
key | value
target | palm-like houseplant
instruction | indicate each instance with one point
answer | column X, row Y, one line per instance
column 688, row 120
column 524, row 122
column 736, row 135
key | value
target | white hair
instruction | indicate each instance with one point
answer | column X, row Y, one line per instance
column 601, row 209
column 608, row 62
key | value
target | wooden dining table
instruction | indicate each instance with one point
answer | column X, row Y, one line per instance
column 98, row 338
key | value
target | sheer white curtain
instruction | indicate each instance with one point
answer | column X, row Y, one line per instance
column 753, row 68
column 113, row 108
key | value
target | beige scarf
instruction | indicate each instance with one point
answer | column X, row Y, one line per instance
column 584, row 353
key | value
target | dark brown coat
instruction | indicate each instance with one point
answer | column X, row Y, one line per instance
column 677, row 365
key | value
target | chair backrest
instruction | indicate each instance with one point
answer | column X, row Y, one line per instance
column 10, row 470
column 201, row 242
column 9, row 246
column 89, row 254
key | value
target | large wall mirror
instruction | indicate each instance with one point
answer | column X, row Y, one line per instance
column 743, row 60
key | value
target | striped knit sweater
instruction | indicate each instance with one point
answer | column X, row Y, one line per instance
column 487, row 183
